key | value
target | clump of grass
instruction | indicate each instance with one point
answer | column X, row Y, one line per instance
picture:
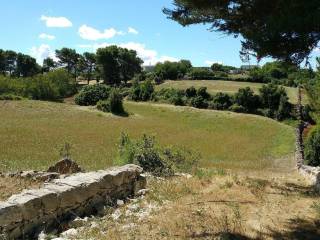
column 316, row 206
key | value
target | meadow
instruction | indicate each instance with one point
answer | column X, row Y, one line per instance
column 33, row 132
column 231, row 87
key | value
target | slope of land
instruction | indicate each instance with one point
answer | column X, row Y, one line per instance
column 32, row 132
column 215, row 86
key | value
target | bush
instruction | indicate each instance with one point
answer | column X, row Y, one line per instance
column 170, row 95
column 144, row 153
column 52, row 86
column 103, row 105
column 312, row 148
column 113, row 104
column 246, row 98
column 116, row 102
column 284, row 109
column 201, row 74
column 202, row 92
column 270, row 96
column 221, row 101
column 237, row 108
column 152, row 158
column 142, row 91
column 199, row 102
column 10, row 97
column 91, row 94
column 191, row 92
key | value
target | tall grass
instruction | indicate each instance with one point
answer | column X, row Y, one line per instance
column 32, row 132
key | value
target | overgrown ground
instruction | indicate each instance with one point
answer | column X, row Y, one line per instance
column 32, row 132
column 215, row 86
column 220, row 206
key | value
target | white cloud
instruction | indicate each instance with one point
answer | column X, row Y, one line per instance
column 132, row 30
column 209, row 63
column 90, row 33
column 149, row 56
column 61, row 22
column 42, row 52
column 46, row 36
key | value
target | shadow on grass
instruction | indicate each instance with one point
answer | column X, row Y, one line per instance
column 292, row 188
column 298, row 229
column 122, row 114
column 222, row 236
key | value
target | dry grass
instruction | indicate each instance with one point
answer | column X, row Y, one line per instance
column 32, row 133
column 13, row 185
column 251, row 208
column 215, row 86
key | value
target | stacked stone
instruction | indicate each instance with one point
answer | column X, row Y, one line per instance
column 25, row 215
column 312, row 173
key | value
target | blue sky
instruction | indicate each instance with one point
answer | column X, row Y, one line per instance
column 38, row 27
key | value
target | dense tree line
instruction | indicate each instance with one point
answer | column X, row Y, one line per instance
column 113, row 64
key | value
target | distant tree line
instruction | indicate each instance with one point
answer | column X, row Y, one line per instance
column 112, row 64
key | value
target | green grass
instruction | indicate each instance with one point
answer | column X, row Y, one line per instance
column 231, row 87
column 32, row 133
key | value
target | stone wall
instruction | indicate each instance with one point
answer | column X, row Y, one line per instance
column 311, row 173
column 25, row 215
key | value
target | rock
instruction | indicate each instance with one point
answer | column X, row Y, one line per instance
column 65, row 166
column 120, row 203
column 142, row 192
column 72, row 232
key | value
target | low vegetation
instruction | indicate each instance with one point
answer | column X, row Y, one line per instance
column 53, row 86
column 160, row 161
column 33, row 132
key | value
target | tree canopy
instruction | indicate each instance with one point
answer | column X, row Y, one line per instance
column 118, row 64
column 284, row 29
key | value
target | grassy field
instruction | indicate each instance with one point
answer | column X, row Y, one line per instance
column 32, row 133
column 215, row 86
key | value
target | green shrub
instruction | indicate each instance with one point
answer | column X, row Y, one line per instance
column 246, row 98
column 221, row 101
column 142, row 91
column 284, row 109
column 103, row 105
column 91, row 94
column 202, row 92
column 113, row 104
column 199, row 102
column 270, row 96
column 237, row 108
column 312, row 148
column 201, row 74
column 170, row 95
column 116, row 102
column 152, row 158
column 51, row 86
column 10, row 97
column 144, row 153
column 191, row 92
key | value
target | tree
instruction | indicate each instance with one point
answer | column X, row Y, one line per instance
column 117, row 64
column 318, row 64
column 26, row 66
column 88, row 64
column 10, row 61
column 284, row 29
column 48, row 64
column 173, row 70
column 2, row 62
column 107, row 58
column 130, row 64
column 69, row 59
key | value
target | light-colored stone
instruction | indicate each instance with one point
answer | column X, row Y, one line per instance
column 80, row 194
